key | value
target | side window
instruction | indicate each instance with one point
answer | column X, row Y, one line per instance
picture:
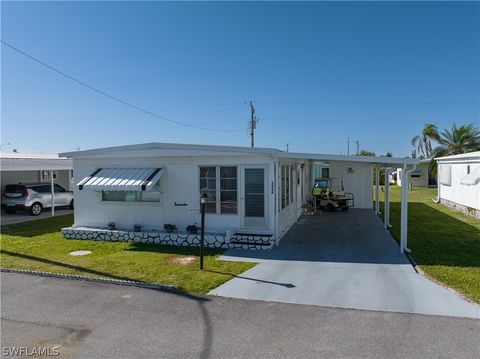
column 58, row 188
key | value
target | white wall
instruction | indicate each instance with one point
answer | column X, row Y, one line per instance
column 358, row 180
column 460, row 193
column 179, row 184
column 416, row 182
column 27, row 177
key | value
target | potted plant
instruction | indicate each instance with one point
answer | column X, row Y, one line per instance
column 111, row 226
column 192, row 229
column 169, row 227
column 137, row 227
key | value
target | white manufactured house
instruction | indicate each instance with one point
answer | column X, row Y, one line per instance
column 254, row 194
column 420, row 178
column 459, row 182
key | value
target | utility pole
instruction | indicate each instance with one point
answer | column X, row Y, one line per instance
column 253, row 124
column 348, row 146
column 358, row 147
column 287, row 147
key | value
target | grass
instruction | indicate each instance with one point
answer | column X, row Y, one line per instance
column 38, row 245
column 445, row 243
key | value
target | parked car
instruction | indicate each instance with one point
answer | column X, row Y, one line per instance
column 34, row 197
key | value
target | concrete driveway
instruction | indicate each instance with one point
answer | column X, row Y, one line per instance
column 20, row 217
column 341, row 259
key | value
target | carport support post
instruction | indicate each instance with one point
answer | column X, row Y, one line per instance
column 386, row 201
column 377, row 181
column 53, row 193
column 404, row 210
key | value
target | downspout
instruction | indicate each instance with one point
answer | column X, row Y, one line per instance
column 404, row 208
column 275, row 199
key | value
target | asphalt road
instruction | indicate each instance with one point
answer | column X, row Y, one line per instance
column 93, row 320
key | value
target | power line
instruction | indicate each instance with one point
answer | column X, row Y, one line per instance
column 108, row 95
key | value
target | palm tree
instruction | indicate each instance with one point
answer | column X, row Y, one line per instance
column 423, row 142
column 463, row 139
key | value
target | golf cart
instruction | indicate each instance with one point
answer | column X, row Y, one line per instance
column 327, row 198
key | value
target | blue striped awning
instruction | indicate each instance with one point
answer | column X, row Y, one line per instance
column 122, row 179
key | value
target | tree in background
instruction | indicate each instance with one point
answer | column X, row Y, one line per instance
column 423, row 142
column 463, row 139
column 458, row 140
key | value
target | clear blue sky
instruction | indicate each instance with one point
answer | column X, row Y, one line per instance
column 317, row 73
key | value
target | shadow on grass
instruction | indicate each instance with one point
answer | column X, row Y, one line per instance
column 179, row 250
column 437, row 238
column 38, row 227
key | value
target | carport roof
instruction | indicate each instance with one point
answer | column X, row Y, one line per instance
column 32, row 162
column 388, row 161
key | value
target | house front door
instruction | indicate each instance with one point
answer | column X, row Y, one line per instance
column 254, row 197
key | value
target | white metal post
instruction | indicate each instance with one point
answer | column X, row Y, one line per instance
column 53, row 193
column 404, row 210
column 377, row 198
column 386, row 201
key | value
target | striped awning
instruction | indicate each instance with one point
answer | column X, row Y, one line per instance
column 473, row 178
column 122, row 179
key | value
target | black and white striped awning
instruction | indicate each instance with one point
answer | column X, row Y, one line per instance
column 122, row 179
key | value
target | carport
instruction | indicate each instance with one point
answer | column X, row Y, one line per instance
column 28, row 168
column 362, row 172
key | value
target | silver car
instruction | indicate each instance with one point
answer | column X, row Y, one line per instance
column 34, row 197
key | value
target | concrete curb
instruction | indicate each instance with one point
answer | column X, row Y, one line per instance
column 130, row 283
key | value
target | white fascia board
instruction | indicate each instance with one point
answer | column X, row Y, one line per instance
column 364, row 159
column 471, row 157
column 191, row 149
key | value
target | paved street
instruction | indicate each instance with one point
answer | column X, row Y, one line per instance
column 345, row 260
column 93, row 320
column 20, row 217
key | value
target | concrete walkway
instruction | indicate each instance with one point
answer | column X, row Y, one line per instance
column 346, row 260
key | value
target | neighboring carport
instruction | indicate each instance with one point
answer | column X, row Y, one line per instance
column 341, row 259
column 33, row 168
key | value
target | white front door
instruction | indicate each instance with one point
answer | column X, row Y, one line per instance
column 254, row 196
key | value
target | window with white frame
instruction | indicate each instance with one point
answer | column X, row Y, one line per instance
column 133, row 196
column 220, row 183
column 45, row 175
column 286, row 185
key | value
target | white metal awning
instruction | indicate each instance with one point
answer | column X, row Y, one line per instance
column 122, row 179
column 472, row 178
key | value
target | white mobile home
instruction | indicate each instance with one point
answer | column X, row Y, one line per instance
column 420, row 178
column 254, row 194
column 459, row 182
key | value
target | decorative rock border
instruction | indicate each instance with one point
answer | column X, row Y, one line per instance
column 212, row 240
column 461, row 208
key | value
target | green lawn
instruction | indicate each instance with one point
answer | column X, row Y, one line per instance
column 38, row 245
column 445, row 243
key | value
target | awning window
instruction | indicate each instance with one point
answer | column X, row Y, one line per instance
column 472, row 178
column 122, row 179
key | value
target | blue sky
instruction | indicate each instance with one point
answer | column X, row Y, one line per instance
column 317, row 73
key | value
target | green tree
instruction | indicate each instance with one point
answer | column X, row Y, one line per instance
column 463, row 139
column 423, row 142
